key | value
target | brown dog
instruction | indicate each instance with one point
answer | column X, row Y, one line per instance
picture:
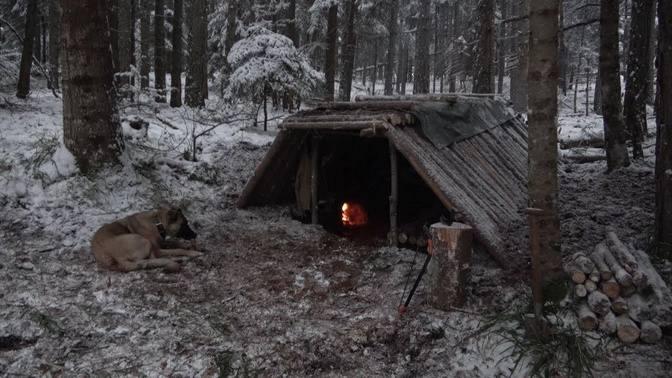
column 137, row 241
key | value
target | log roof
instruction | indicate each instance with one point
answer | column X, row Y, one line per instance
column 483, row 177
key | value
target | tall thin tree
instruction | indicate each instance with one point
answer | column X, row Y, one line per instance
column 176, row 66
column 23, row 86
column 125, row 45
column 421, row 74
column 159, row 51
column 145, row 42
column 331, row 52
column 610, row 87
column 197, row 68
column 634, row 102
column 391, row 45
column 542, row 131
column 663, row 225
column 519, row 74
column 91, row 129
column 483, row 77
column 348, row 55
column 54, row 41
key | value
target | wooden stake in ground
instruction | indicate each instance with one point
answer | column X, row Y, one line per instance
column 314, row 179
column 448, row 270
column 394, row 193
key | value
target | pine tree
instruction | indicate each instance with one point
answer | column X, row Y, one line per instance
column 486, row 46
column 23, row 86
column 159, row 51
column 634, row 102
column 610, row 87
column 145, row 42
column 91, row 129
column 348, row 55
column 331, row 52
column 176, row 66
column 197, row 69
column 391, row 46
column 543, row 137
column 54, row 41
column 421, row 76
column 663, row 226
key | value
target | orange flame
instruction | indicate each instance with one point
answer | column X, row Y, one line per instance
column 353, row 215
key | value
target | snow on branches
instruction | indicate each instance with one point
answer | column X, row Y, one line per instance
column 265, row 61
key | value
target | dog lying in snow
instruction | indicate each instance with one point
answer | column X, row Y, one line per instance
column 138, row 241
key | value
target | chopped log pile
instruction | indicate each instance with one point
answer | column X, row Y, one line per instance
column 617, row 291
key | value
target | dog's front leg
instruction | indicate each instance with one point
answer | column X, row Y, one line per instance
column 179, row 252
column 180, row 244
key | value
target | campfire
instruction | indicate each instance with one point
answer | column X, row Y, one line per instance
column 353, row 215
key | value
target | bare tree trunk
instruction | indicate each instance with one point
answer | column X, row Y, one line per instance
column 331, row 52
column 113, row 6
column 597, row 93
column 454, row 55
column 197, row 71
column 159, row 51
column 374, row 70
column 125, row 50
column 519, row 75
column 421, row 77
column 634, row 102
column 348, row 55
column 54, row 41
column 650, row 82
column 91, row 129
column 501, row 48
column 37, row 47
column 145, row 42
column 542, row 130
column 401, row 67
column 391, row 46
column 562, row 59
column 663, row 227
column 486, row 46
column 23, row 86
column 610, row 87
column 292, row 32
column 176, row 69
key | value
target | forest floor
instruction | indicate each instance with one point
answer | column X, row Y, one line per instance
column 271, row 296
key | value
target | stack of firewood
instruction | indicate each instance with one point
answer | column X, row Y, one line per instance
column 617, row 290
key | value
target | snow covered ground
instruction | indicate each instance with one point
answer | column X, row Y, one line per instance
column 272, row 296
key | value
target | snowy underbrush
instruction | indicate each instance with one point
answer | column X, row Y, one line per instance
column 40, row 179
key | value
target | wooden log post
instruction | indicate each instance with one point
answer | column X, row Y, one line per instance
column 394, row 194
column 449, row 268
column 314, row 179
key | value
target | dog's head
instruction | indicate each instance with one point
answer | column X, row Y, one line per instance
column 176, row 224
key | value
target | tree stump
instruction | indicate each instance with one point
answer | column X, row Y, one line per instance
column 449, row 268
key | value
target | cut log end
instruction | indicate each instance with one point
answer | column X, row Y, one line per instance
column 626, row 329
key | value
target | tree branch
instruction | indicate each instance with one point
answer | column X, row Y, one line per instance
column 582, row 23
